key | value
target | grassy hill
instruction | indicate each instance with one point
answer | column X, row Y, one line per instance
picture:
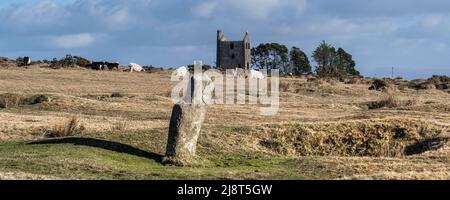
column 324, row 130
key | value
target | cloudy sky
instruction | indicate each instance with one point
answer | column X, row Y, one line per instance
column 411, row 35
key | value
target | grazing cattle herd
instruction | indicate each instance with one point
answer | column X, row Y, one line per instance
column 134, row 67
column 105, row 66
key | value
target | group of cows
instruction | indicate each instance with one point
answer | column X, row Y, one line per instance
column 251, row 74
column 104, row 66
column 179, row 72
column 133, row 67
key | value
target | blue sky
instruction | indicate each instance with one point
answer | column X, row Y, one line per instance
column 411, row 35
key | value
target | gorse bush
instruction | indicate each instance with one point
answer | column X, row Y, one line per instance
column 82, row 62
column 117, row 95
column 390, row 100
column 10, row 100
column 376, row 138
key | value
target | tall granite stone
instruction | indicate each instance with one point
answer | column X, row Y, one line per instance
column 187, row 119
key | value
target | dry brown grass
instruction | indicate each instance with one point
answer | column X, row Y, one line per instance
column 315, row 118
column 120, row 126
column 391, row 100
column 11, row 100
column 352, row 80
column 68, row 128
column 25, row 176
column 312, row 101
column 392, row 138
column 285, row 86
column 388, row 100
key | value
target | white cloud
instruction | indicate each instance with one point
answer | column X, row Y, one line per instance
column 119, row 18
column 205, row 9
column 369, row 30
column 252, row 9
column 43, row 12
column 262, row 9
column 440, row 47
column 332, row 26
column 258, row 9
column 74, row 40
column 432, row 21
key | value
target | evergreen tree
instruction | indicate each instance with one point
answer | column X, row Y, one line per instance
column 299, row 61
column 260, row 56
column 346, row 63
column 326, row 58
column 332, row 63
column 271, row 56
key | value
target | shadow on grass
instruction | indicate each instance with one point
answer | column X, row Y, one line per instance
column 103, row 144
column 431, row 144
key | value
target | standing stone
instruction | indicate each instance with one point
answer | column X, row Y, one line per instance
column 186, row 121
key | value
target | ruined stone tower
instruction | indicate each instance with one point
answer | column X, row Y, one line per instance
column 233, row 54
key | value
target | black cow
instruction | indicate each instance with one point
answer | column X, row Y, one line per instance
column 98, row 65
column 112, row 66
column 26, row 61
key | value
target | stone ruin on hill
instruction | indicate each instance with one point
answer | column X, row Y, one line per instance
column 233, row 54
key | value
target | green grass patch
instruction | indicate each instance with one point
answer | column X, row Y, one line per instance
column 87, row 158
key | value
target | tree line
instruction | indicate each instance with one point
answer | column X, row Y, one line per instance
column 331, row 63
